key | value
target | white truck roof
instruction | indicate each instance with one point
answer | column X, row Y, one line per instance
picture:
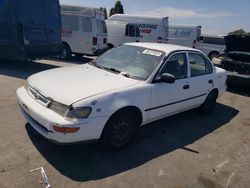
column 184, row 26
column 123, row 17
column 82, row 11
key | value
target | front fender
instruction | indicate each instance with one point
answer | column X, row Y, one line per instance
column 105, row 105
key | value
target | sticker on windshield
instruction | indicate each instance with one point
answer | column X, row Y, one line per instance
column 152, row 52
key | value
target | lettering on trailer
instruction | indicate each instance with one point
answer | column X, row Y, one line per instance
column 183, row 32
column 147, row 28
column 66, row 33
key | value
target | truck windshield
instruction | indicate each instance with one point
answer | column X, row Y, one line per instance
column 131, row 61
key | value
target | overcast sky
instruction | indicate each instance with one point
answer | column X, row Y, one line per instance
column 215, row 16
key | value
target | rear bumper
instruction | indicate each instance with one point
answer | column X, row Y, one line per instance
column 42, row 120
column 238, row 79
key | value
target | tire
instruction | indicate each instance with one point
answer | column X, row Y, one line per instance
column 119, row 130
column 66, row 52
column 213, row 54
column 208, row 106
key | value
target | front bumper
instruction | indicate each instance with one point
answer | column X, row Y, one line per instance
column 42, row 120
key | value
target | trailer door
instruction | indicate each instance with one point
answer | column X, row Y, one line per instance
column 52, row 19
column 31, row 15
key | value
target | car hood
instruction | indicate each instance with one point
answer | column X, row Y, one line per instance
column 237, row 43
column 70, row 84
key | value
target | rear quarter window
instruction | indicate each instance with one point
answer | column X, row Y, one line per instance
column 70, row 23
column 86, row 24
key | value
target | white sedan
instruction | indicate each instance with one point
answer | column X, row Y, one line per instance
column 127, row 87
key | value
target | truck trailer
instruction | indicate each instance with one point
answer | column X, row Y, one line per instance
column 29, row 29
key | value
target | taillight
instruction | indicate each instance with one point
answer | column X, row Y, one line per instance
column 194, row 44
column 94, row 40
column 159, row 40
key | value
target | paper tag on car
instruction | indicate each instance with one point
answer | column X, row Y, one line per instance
column 152, row 52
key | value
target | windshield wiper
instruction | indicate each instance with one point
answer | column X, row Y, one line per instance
column 112, row 69
column 95, row 64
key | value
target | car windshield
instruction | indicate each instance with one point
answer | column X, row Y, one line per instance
column 130, row 61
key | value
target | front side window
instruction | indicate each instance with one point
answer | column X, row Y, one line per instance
column 199, row 65
column 132, row 61
column 176, row 65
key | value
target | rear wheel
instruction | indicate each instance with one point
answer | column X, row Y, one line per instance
column 119, row 130
column 208, row 106
column 66, row 52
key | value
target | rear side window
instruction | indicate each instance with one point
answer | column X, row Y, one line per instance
column 86, row 24
column 70, row 23
column 132, row 31
column 214, row 40
column 199, row 65
column 101, row 26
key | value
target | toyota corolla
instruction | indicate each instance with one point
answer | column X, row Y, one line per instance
column 125, row 88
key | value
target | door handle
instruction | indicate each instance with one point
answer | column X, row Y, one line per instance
column 210, row 81
column 186, row 87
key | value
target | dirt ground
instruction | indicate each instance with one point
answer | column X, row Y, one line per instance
column 186, row 150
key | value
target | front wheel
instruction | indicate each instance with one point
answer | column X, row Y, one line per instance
column 208, row 106
column 119, row 130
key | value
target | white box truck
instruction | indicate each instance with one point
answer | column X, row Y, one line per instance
column 152, row 28
column 120, row 32
column 184, row 35
column 83, row 31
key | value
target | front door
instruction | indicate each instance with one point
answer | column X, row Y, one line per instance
column 168, row 99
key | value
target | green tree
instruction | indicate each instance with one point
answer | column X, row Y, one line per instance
column 117, row 9
column 112, row 11
column 104, row 10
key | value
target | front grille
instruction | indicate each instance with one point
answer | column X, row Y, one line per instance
column 38, row 97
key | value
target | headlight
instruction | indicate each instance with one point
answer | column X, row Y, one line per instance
column 59, row 108
column 78, row 113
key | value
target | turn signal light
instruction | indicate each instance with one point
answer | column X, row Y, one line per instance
column 66, row 129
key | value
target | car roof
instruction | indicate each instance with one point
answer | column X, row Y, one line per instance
column 167, row 48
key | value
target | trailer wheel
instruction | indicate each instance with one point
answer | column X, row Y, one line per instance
column 66, row 52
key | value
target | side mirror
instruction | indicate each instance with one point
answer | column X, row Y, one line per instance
column 166, row 78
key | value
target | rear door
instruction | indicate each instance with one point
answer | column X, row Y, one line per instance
column 53, row 21
column 201, row 80
column 101, row 34
column 32, row 20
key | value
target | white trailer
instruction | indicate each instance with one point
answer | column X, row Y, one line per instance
column 152, row 28
column 83, row 30
column 120, row 32
column 184, row 35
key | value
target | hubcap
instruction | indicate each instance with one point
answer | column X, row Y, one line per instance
column 122, row 131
